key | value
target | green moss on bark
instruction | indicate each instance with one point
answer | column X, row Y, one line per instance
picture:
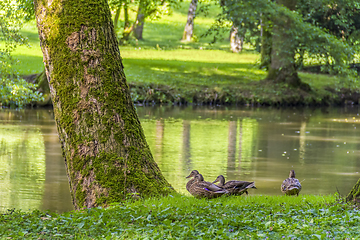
column 354, row 194
column 102, row 139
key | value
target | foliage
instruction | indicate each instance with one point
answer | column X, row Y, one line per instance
column 310, row 39
column 340, row 18
column 13, row 89
column 176, row 216
column 152, row 9
column 163, row 69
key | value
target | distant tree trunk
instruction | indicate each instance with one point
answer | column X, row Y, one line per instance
column 106, row 155
column 236, row 40
column 282, row 67
column 266, row 43
column 354, row 194
column 189, row 27
column 116, row 18
column 140, row 21
column 127, row 27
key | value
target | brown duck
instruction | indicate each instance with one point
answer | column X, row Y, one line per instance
column 234, row 187
column 291, row 185
column 192, row 180
column 202, row 189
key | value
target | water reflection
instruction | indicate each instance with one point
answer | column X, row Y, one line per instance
column 32, row 172
column 22, row 166
column 260, row 144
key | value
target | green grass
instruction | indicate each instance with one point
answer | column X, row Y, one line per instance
column 181, row 217
column 163, row 69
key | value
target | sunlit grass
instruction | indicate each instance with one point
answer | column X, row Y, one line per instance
column 190, row 68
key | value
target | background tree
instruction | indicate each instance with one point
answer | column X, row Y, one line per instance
column 189, row 26
column 283, row 49
column 118, row 5
column 236, row 39
column 138, row 26
column 144, row 9
column 106, row 155
column 293, row 37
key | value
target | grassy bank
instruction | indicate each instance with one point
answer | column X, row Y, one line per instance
column 162, row 69
column 252, row 217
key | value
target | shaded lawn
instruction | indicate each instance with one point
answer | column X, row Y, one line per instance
column 182, row 217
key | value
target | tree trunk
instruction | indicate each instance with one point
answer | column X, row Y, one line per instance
column 282, row 67
column 106, row 156
column 189, row 27
column 127, row 28
column 265, row 45
column 354, row 194
column 140, row 21
column 116, row 18
column 236, row 41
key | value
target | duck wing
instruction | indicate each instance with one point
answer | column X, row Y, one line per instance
column 239, row 185
column 211, row 187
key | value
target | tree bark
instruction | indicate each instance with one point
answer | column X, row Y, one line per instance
column 354, row 194
column 116, row 18
column 282, row 67
column 140, row 21
column 106, row 155
column 236, row 41
column 127, row 27
column 265, row 45
column 189, row 27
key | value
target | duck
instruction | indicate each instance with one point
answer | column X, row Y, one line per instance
column 234, row 187
column 192, row 180
column 291, row 185
column 203, row 189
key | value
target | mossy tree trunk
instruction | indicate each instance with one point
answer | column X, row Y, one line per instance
column 138, row 26
column 189, row 27
column 282, row 66
column 354, row 194
column 106, row 155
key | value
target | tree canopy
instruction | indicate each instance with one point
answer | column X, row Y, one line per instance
column 319, row 31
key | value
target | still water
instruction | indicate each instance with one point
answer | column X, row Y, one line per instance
column 253, row 144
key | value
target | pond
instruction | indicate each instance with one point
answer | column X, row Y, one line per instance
column 251, row 144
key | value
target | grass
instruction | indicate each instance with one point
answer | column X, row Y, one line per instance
column 174, row 217
column 163, row 69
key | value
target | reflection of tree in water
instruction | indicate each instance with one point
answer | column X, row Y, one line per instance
column 231, row 149
column 247, row 144
column 186, row 154
column 22, row 167
column 171, row 162
column 159, row 140
column 302, row 144
column 165, row 141
column 209, row 146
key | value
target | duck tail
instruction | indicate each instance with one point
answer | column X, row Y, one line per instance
column 251, row 185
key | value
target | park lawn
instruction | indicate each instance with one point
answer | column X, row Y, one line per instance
column 162, row 69
column 182, row 217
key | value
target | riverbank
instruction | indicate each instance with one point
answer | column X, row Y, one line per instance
column 162, row 69
column 255, row 217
